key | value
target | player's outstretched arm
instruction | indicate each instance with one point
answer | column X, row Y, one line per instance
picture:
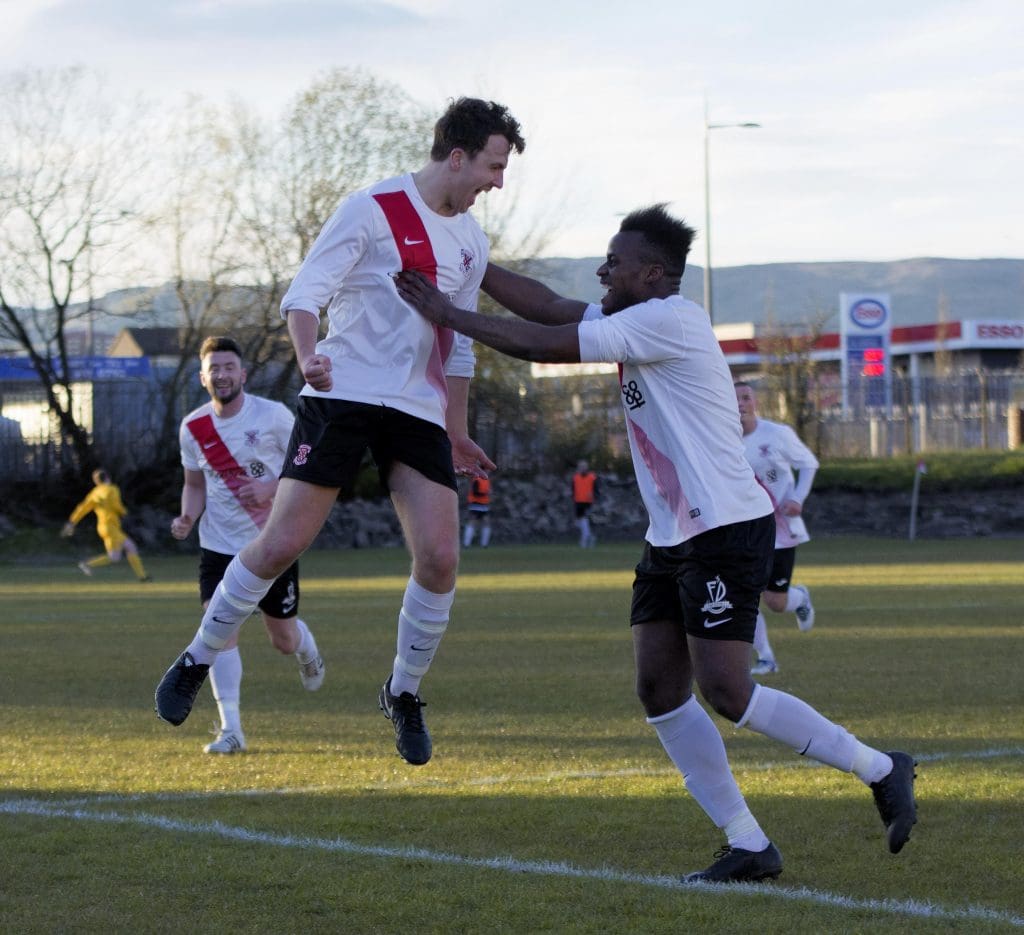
column 530, row 299
column 523, row 339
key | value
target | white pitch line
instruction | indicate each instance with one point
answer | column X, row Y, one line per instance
column 896, row 907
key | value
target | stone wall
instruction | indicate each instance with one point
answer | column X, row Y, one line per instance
column 540, row 510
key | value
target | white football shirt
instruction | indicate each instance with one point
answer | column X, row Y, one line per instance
column 251, row 444
column 382, row 351
column 774, row 450
column 680, row 406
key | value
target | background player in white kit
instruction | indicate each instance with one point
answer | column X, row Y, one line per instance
column 773, row 451
column 384, row 380
column 711, row 532
column 232, row 449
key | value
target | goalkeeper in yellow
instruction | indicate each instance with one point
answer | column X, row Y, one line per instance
column 105, row 501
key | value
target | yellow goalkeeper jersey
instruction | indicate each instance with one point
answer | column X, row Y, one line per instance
column 105, row 501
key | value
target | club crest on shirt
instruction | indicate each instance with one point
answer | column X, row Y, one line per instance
column 763, row 449
column 252, row 437
column 468, row 261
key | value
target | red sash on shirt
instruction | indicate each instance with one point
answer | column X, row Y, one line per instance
column 416, row 252
column 223, row 462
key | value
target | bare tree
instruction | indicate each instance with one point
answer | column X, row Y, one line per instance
column 67, row 166
column 195, row 228
column 237, row 203
column 345, row 131
column 791, row 372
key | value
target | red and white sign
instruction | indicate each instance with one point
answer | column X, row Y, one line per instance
column 999, row 331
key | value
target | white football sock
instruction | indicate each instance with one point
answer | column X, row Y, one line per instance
column 422, row 622
column 761, row 645
column 226, row 684
column 795, row 596
column 786, row 718
column 485, row 536
column 467, row 536
column 234, row 600
column 306, row 651
column 695, row 746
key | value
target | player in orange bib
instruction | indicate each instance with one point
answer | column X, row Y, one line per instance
column 584, row 493
column 479, row 500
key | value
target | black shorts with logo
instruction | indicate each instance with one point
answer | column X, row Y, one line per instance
column 331, row 436
column 282, row 600
column 711, row 584
column 782, row 570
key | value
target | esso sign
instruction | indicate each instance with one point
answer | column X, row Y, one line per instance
column 868, row 313
column 1001, row 331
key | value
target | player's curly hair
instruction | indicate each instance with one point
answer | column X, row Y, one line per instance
column 668, row 238
column 469, row 123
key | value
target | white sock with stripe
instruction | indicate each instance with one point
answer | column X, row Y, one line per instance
column 422, row 622
column 234, row 600
column 786, row 718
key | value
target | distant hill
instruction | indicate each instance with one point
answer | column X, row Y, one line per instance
column 921, row 291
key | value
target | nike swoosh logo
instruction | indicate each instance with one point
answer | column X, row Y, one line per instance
column 223, row 623
column 412, row 243
column 419, row 649
column 707, row 623
column 208, row 445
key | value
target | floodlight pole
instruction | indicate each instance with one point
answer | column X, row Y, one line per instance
column 708, row 127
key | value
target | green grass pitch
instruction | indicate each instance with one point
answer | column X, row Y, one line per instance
column 549, row 805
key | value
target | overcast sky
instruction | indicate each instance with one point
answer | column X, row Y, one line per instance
column 889, row 130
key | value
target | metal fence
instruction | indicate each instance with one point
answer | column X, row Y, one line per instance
column 976, row 410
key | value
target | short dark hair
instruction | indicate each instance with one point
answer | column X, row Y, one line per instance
column 469, row 123
column 100, row 476
column 219, row 343
column 667, row 238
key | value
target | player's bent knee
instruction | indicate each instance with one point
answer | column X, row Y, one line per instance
column 775, row 601
column 269, row 558
column 656, row 697
column 436, row 569
column 283, row 634
column 728, row 701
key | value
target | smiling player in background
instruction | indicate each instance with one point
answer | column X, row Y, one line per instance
column 232, row 449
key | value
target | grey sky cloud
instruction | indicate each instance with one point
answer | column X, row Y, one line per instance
column 233, row 20
column 908, row 104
